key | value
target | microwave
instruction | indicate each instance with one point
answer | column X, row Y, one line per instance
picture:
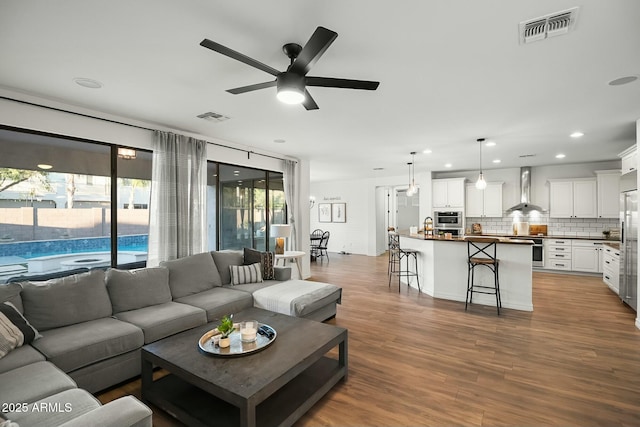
column 451, row 219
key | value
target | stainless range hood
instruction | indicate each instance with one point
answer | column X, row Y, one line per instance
column 525, row 194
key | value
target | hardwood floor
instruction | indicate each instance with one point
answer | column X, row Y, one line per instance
column 419, row 361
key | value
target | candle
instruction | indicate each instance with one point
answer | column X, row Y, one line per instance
column 248, row 330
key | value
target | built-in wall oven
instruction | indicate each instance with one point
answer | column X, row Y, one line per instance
column 538, row 252
column 449, row 219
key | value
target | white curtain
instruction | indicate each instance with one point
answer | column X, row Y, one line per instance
column 177, row 223
column 291, row 197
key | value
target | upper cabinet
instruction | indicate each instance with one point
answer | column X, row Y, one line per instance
column 629, row 160
column 608, row 193
column 573, row 198
column 448, row 193
column 484, row 203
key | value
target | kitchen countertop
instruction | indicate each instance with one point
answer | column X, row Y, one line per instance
column 613, row 244
column 549, row 236
column 502, row 239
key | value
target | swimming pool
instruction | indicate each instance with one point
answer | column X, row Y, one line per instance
column 43, row 248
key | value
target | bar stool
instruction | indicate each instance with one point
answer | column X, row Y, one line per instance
column 395, row 265
column 394, row 257
column 481, row 251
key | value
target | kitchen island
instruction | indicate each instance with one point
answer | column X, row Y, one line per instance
column 442, row 269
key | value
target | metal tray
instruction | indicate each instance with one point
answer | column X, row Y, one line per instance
column 237, row 347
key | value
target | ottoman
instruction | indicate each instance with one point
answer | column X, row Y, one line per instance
column 300, row 298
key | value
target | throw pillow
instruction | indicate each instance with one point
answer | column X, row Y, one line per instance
column 15, row 330
column 241, row 274
column 252, row 256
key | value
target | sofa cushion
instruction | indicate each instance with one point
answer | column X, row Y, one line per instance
column 21, row 356
column 219, row 301
column 223, row 260
column 31, row 383
column 266, row 260
column 125, row 411
column 241, row 274
column 74, row 346
column 66, row 301
column 68, row 404
column 192, row 274
column 160, row 321
column 133, row 289
column 11, row 292
column 297, row 297
column 15, row 331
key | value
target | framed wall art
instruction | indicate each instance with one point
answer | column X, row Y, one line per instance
column 324, row 212
column 338, row 212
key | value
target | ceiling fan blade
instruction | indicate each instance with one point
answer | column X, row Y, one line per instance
column 217, row 47
column 309, row 103
column 319, row 42
column 341, row 83
column 257, row 86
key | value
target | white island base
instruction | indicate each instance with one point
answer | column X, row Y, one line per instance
column 442, row 269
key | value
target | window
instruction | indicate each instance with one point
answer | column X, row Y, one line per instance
column 134, row 194
column 250, row 200
column 54, row 204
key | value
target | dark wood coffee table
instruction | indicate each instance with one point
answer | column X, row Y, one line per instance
column 272, row 387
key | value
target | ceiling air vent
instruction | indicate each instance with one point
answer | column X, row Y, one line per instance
column 213, row 117
column 551, row 25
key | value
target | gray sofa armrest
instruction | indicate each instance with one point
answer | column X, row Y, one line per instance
column 124, row 412
column 282, row 273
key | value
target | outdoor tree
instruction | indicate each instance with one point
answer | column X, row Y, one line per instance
column 11, row 177
column 136, row 183
column 71, row 189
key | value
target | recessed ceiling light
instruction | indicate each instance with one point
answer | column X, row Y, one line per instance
column 279, row 141
column 497, row 161
column 576, row 134
column 378, row 169
column 90, row 83
column 560, row 156
column 623, row 80
column 448, row 165
column 490, row 144
column 44, row 166
column 427, row 151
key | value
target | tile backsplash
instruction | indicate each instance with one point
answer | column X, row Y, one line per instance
column 576, row 227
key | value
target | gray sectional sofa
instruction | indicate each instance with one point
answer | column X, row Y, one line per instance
column 93, row 325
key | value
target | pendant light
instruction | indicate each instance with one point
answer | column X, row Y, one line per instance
column 412, row 181
column 481, row 184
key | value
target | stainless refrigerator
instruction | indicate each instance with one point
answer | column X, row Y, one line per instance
column 629, row 248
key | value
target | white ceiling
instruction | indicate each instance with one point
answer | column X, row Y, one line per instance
column 449, row 72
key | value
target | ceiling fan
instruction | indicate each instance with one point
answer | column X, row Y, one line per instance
column 291, row 84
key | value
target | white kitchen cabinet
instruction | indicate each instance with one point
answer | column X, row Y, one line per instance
column 557, row 254
column 611, row 267
column 629, row 160
column 573, row 198
column 608, row 193
column 586, row 255
column 484, row 203
column 448, row 193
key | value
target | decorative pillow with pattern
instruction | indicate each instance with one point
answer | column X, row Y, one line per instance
column 241, row 274
column 15, row 330
column 266, row 260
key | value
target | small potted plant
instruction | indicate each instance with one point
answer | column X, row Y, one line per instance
column 225, row 328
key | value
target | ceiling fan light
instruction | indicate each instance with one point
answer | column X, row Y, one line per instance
column 290, row 96
column 290, row 88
